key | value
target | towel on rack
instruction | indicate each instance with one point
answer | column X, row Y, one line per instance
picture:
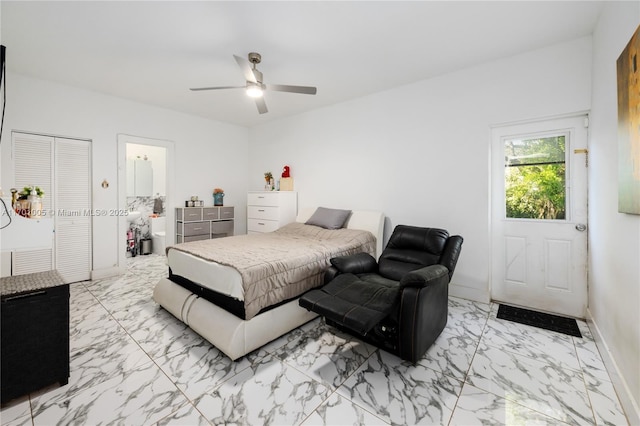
column 157, row 205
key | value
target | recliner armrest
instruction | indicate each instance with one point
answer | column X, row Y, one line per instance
column 423, row 277
column 330, row 274
column 359, row 263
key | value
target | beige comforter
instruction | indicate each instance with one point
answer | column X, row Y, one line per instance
column 280, row 265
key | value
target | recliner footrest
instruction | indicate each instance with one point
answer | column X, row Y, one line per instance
column 352, row 302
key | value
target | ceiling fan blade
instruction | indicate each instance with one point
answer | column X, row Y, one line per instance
column 305, row 90
column 195, row 89
column 245, row 66
column 262, row 106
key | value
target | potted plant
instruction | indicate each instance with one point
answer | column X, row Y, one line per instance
column 268, row 177
column 30, row 202
column 30, row 190
column 218, row 195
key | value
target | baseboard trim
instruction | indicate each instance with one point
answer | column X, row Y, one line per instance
column 469, row 293
column 98, row 274
column 629, row 405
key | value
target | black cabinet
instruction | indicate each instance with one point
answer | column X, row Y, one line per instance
column 34, row 339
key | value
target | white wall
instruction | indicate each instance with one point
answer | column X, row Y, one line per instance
column 44, row 107
column 420, row 153
column 614, row 238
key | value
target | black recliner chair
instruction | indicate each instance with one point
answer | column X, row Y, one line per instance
column 399, row 303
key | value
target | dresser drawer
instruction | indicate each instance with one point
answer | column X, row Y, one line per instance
column 210, row 213
column 222, row 227
column 226, row 212
column 259, row 225
column 181, row 239
column 263, row 199
column 196, row 228
column 263, row 212
column 189, row 214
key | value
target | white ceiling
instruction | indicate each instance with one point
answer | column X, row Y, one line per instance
column 152, row 52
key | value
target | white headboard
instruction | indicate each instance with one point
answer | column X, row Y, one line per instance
column 366, row 220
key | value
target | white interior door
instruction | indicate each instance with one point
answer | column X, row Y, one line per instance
column 32, row 161
column 73, row 203
column 539, row 215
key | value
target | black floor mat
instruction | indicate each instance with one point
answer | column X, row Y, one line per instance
column 541, row 320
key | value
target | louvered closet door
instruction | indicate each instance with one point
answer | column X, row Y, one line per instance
column 33, row 160
column 73, row 204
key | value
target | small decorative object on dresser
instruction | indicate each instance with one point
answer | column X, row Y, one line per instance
column 268, row 177
column 286, row 183
column 268, row 211
column 218, row 195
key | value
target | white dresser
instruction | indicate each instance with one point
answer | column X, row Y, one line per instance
column 268, row 211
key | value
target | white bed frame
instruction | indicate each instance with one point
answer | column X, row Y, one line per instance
column 237, row 337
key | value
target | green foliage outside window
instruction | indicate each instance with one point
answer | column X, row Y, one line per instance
column 535, row 178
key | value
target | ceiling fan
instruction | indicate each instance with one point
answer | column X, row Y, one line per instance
column 255, row 85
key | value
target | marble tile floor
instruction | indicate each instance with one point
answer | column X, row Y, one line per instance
column 133, row 363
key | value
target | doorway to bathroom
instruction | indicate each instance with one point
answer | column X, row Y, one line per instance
column 145, row 177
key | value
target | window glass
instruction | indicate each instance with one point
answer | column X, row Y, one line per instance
column 535, row 178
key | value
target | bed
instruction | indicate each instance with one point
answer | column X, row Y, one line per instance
column 241, row 292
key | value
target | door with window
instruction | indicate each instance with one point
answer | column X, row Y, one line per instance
column 539, row 215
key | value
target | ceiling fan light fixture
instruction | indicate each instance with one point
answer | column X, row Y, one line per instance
column 254, row 91
column 254, row 86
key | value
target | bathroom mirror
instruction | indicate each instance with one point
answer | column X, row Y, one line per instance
column 139, row 178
